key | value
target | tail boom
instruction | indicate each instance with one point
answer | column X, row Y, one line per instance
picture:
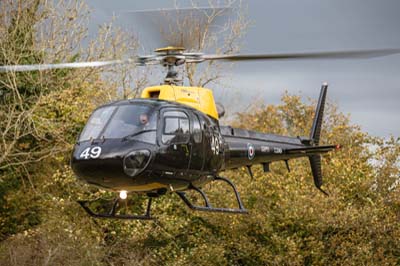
column 246, row 148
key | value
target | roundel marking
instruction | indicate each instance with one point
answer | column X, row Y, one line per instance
column 251, row 151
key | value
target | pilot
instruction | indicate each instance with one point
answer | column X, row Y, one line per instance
column 144, row 120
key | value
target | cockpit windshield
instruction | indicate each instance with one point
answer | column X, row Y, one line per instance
column 119, row 121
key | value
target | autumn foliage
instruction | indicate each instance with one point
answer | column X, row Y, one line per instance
column 290, row 221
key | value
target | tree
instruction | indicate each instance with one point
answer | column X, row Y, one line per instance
column 36, row 32
column 43, row 111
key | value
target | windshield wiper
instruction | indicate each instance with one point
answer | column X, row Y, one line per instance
column 137, row 133
column 93, row 140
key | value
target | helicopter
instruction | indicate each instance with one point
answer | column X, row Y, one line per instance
column 170, row 140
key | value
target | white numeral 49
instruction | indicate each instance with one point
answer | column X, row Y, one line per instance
column 91, row 153
column 215, row 144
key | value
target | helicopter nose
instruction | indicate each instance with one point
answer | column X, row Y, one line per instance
column 136, row 161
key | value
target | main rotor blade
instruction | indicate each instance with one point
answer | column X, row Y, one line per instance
column 310, row 55
column 40, row 67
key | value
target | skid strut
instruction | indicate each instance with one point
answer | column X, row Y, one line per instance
column 112, row 213
column 208, row 207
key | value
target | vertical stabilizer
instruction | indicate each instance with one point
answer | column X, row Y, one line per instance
column 315, row 160
column 319, row 114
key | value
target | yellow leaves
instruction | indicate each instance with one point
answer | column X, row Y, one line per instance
column 290, row 222
column 354, row 210
column 24, row 145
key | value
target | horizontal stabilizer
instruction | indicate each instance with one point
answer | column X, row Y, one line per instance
column 311, row 150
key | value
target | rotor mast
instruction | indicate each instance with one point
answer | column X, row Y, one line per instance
column 172, row 57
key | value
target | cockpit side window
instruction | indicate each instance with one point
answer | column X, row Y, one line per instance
column 176, row 128
column 197, row 133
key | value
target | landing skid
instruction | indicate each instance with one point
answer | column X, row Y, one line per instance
column 208, row 207
column 112, row 213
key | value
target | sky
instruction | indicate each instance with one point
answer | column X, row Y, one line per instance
column 367, row 89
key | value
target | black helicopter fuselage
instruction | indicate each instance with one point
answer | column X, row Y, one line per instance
column 182, row 147
column 174, row 148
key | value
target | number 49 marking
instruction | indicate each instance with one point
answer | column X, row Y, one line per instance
column 91, row 153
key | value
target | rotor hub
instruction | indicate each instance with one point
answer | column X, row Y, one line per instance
column 170, row 57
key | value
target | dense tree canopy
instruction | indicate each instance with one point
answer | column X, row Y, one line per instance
column 290, row 222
